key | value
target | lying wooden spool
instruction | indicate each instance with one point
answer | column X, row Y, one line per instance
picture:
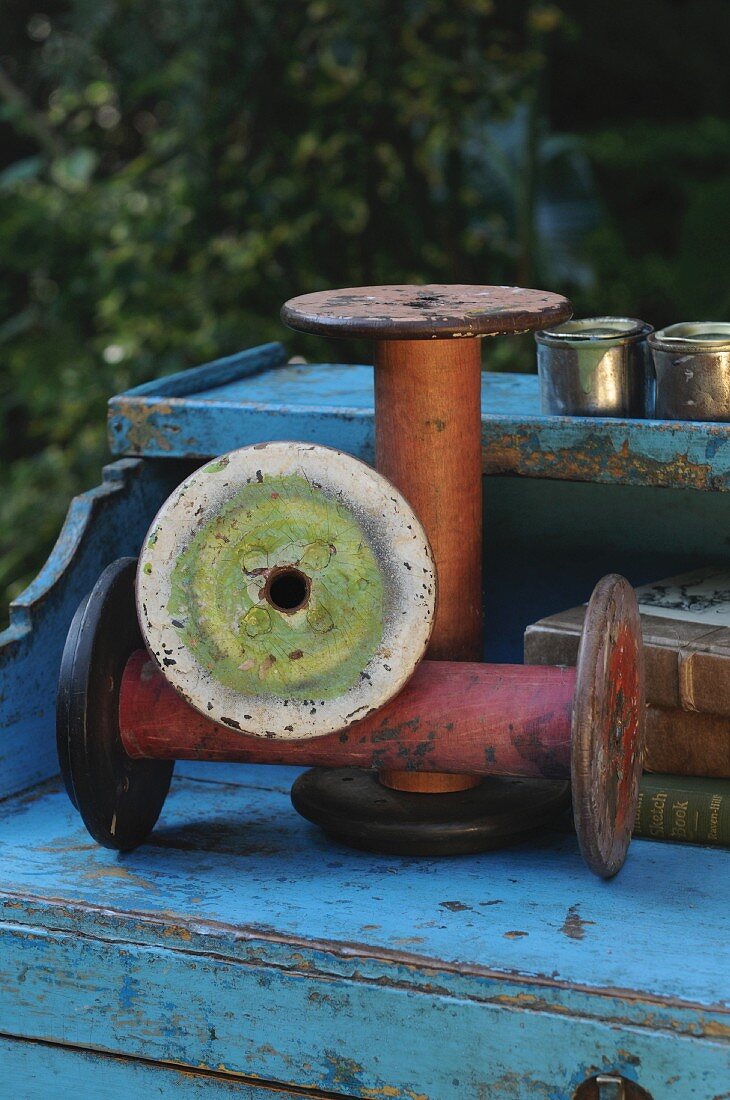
column 121, row 725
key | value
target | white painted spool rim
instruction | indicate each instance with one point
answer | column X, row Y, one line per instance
column 408, row 566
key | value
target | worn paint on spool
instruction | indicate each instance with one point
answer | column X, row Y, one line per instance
column 219, row 592
column 358, row 593
column 608, row 725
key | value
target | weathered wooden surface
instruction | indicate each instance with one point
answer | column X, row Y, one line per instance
column 241, row 940
column 119, row 799
column 478, row 719
column 410, row 312
column 427, row 444
column 333, row 404
column 221, row 372
column 101, row 525
column 608, row 726
column 35, row 1069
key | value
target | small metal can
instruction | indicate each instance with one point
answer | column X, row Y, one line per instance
column 597, row 366
column 692, row 366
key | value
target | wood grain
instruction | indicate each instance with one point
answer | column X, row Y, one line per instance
column 407, row 312
column 458, row 718
column 608, row 725
column 427, row 442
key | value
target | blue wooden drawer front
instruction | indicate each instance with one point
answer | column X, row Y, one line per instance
column 31, row 1070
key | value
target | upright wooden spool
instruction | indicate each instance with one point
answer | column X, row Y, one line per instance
column 428, row 429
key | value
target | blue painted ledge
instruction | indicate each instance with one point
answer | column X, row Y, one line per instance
column 240, row 940
column 257, row 396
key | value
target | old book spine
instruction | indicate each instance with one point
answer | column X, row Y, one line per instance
column 678, row 741
column 685, row 810
column 555, row 642
column 704, row 682
column 683, row 743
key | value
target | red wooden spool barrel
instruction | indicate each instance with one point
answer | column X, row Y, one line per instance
column 482, row 719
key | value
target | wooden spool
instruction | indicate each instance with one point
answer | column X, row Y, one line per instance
column 524, row 727
column 428, row 429
column 119, row 799
column 286, row 590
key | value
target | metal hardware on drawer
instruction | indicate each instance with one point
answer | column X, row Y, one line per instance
column 610, row 1086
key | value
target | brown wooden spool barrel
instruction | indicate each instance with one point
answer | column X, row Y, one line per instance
column 428, row 430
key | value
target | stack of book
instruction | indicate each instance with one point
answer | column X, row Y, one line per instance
column 685, row 791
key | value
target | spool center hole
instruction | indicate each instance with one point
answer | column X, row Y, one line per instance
column 287, row 589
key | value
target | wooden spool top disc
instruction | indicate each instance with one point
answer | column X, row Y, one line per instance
column 608, row 726
column 425, row 312
column 286, row 590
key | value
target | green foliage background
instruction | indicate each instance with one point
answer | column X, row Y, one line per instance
column 173, row 171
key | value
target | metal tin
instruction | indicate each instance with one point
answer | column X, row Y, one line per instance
column 692, row 366
column 597, row 366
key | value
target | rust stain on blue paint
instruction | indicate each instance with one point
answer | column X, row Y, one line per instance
column 143, row 430
column 574, row 926
column 595, row 457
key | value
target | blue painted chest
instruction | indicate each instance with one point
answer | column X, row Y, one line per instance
column 240, row 952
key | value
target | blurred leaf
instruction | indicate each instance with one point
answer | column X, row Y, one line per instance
column 74, row 170
column 171, row 172
column 25, row 169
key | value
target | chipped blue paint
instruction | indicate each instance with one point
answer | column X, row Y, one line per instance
column 345, row 1036
column 128, row 991
column 101, row 525
column 32, row 1070
column 241, row 920
column 333, row 403
column 219, row 373
column 241, row 940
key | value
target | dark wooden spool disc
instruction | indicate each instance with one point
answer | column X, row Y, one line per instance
column 118, row 798
column 354, row 807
